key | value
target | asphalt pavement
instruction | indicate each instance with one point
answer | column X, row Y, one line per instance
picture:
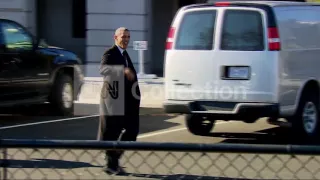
column 155, row 126
column 37, row 123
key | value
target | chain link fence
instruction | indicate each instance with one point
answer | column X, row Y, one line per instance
column 23, row 159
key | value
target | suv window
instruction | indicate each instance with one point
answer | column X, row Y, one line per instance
column 196, row 31
column 15, row 37
column 242, row 30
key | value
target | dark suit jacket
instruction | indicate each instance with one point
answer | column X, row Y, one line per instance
column 127, row 103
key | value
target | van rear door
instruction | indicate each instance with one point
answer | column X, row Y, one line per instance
column 222, row 54
column 190, row 53
column 247, row 56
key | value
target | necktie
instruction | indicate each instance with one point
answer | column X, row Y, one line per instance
column 125, row 55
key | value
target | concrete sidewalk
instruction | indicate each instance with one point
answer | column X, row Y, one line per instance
column 152, row 92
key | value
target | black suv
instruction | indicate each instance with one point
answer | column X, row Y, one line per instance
column 32, row 72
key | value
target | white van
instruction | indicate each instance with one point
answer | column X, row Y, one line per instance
column 243, row 61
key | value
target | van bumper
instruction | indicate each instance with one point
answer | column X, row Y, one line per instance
column 223, row 110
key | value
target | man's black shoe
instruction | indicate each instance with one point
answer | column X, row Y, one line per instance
column 110, row 171
column 114, row 171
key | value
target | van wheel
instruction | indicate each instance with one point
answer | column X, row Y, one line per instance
column 62, row 95
column 198, row 125
column 306, row 121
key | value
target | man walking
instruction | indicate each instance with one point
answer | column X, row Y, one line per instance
column 114, row 123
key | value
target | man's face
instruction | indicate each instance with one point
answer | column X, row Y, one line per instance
column 122, row 39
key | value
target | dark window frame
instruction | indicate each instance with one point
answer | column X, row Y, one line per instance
column 79, row 19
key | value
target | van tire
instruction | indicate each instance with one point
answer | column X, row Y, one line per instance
column 308, row 101
column 62, row 85
column 195, row 124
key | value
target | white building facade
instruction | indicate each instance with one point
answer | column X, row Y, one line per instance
column 86, row 27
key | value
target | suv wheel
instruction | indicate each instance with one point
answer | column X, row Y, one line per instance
column 62, row 95
column 198, row 125
column 67, row 95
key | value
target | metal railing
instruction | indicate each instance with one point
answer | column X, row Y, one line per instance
column 67, row 159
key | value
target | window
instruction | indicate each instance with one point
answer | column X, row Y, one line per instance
column 242, row 30
column 16, row 38
column 197, row 31
column 79, row 18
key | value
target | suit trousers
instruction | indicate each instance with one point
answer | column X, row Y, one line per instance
column 111, row 127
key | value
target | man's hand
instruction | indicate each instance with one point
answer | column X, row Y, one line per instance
column 129, row 74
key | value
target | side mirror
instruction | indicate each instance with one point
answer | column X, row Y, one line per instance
column 42, row 43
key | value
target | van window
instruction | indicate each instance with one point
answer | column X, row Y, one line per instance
column 196, row 31
column 242, row 30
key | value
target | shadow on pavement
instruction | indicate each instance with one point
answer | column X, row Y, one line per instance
column 179, row 176
column 45, row 163
column 277, row 135
column 62, row 164
column 150, row 123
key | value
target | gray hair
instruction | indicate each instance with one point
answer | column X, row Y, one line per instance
column 120, row 29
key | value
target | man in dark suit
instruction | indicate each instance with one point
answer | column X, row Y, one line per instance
column 120, row 98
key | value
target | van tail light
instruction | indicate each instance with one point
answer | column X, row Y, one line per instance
column 273, row 39
column 170, row 38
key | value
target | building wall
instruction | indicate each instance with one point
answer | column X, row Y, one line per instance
column 55, row 25
column 162, row 15
column 104, row 17
column 22, row 11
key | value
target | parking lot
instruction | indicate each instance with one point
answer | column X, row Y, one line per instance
column 155, row 126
